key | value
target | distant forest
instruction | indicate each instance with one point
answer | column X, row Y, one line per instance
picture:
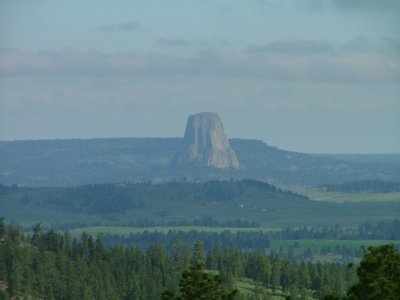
column 117, row 198
column 173, row 198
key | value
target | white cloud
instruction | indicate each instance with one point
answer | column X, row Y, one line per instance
column 358, row 60
column 121, row 27
column 293, row 47
column 173, row 42
column 367, row 4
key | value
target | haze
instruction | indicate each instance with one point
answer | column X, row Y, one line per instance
column 303, row 75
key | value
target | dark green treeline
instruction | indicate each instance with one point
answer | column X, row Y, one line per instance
column 53, row 266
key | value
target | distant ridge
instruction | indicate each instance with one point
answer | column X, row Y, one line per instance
column 110, row 160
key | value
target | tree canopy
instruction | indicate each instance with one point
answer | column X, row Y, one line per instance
column 196, row 284
column 378, row 274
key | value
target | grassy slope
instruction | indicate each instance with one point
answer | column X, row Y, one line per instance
column 341, row 197
column 347, row 214
column 249, row 287
column 344, row 214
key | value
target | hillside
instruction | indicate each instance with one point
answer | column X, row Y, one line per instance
column 89, row 161
column 177, row 203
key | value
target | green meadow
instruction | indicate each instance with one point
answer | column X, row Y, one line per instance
column 342, row 197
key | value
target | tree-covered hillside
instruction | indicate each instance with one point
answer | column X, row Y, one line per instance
column 231, row 203
column 54, row 266
column 173, row 201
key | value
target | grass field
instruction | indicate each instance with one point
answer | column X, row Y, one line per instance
column 346, row 214
column 339, row 197
column 248, row 287
column 298, row 247
column 302, row 245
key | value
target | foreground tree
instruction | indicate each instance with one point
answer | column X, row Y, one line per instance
column 197, row 284
column 378, row 274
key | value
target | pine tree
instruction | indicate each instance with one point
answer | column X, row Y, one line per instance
column 196, row 284
column 378, row 274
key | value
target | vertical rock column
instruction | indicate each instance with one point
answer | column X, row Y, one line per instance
column 205, row 144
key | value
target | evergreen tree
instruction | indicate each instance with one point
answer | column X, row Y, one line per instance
column 196, row 284
column 198, row 257
column 378, row 274
column 2, row 227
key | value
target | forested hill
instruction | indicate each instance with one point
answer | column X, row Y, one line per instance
column 88, row 161
column 181, row 203
column 146, row 201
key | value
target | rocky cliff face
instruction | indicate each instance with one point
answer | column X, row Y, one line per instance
column 205, row 144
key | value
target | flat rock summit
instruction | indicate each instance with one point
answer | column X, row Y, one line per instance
column 205, row 144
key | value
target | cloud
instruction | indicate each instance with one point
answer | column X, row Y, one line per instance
column 357, row 45
column 302, row 61
column 179, row 42
column 349, row 5
column 392, row 44
column 366, row 4
column 297, row 47
column 121, row 27
column 173, row 42
column 16, row 63
column 381, row 46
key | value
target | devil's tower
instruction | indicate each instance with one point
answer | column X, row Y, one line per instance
column 205, row 144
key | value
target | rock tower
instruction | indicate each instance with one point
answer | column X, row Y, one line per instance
column 205, row 144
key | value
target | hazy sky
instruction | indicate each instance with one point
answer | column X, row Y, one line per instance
column 303, row 75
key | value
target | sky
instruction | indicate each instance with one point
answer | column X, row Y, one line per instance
column 316, row 76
